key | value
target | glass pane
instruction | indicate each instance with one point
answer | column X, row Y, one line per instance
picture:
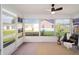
column 62, row 26
column 9, row 29
column 76, row 25
column 8, row 25
column 20, row 27
column 31, row 27
column 62, row 21
column 8, row 41
column 47, row 28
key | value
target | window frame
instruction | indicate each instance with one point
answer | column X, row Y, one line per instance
column 38, row 28
column 8, row 13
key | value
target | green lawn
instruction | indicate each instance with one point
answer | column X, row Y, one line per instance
column 8, row 32
column 48, row 33
column 6, row 40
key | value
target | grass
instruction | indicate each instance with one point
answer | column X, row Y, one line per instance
column 8, row 32
column 48, row 33
column 6, row 40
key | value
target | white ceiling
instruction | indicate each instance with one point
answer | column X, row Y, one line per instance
column 42, row 9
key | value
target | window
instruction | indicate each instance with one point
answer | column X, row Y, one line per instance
column 62, row 25
column 20, row 27
column 31, row 27
column 47, row 28
column 76, row 25
column 9, row 32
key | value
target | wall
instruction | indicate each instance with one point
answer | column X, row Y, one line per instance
column 40, row 39
column 47, row 16
column 9, row 49
column 76, row 16
column 12, row 47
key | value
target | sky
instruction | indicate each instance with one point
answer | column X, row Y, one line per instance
column 62, row 21
column 31, row 21
column 7, row 19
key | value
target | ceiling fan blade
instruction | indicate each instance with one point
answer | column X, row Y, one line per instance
column 61, row 8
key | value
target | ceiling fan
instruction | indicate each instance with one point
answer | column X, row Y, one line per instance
column 56, row 9
column 53, row 9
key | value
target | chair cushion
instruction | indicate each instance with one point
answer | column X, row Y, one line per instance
column 68, row 45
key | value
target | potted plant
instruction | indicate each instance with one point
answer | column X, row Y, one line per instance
column 59, row 33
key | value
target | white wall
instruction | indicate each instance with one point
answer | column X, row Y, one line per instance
column 40, row 39
column 47, row 16
column 9, row 49
column 12, row 47
column 76, row 16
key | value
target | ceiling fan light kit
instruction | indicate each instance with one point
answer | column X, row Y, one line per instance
column 52, row 12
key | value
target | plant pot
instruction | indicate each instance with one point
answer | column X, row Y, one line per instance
column 59, row 43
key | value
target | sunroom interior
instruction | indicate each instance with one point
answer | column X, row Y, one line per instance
column 31, row 29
